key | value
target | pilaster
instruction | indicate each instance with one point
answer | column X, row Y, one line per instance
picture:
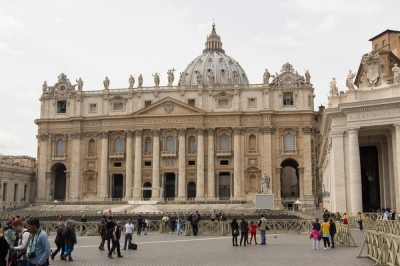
column 355, row 171
column 104, row 164
column 129, row 158
column 155, row 195
column 138, row 165
column 182, row 164
column 200, row 164
column 211, row 166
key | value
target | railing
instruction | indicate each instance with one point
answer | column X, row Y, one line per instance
column 388, row 226
column 353, row 221
column 117, row 155
column 191, row 153
column 59, row 156
column 223, row 153
column 171, row 154
column 343, row 236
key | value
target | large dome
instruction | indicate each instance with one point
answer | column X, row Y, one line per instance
column 214, row 60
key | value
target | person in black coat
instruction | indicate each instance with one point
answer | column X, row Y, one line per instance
column 4, row 247
column 59, row 241
column 235, row 231
column 332, row 231
column 110, row 224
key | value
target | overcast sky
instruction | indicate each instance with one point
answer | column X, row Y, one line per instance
column 94, row 39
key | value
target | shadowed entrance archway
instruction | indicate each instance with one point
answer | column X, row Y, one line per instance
column 191, row 190
column 290, row 185
column 147, row 193
column 60, row 183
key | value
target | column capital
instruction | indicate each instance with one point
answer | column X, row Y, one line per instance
column 236, row 130
column 307, row 130
column 268, row 129
column 181, row 131
column 129, row 133
column 278, row 170
column 103, row 134
column 138, row 132
column 156, row 132
column 301, row 170
column 353, row 130
column 77, row 135
column 210, row 130
column 200, row 130
column 336, row 134
column 44, row 136
column 396, row 127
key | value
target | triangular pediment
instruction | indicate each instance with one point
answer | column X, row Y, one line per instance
column 169, row 106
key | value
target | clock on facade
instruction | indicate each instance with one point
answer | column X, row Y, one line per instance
column 287, row 78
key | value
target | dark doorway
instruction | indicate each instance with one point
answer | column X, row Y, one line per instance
column 224, row 185
column 147, row 193
column 369, row 178
column 170, row 185
column 60, row 182
column 191, row 190
column 290, row 183
column 118, row 186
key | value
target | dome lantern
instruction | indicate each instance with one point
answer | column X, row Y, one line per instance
column 213, row 42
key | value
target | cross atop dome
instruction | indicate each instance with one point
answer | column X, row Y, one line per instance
column 213, row 42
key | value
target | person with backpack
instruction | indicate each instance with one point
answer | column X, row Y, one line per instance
column 115, row 240
column 110, row 227
column 70, row 240
column 262, row 225
column 38, row 250
column 23, row 239
column 59, row 241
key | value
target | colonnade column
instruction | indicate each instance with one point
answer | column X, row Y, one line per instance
column 339, row 172
column 236, row 159
column 41, row 190
column 397, row 180
column 104, row 164
column 182, row 164
column 75, row 185
column 395, row 165
column 384, row 173
column 266, row 166
column 138, row 165
column 129, row 157
column 211, row 166
column 307, row 163
column 200, row 164
column 355, row 171
column 391, row 170
column 155, row 194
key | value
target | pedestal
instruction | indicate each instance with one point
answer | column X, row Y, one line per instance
column 265, row 201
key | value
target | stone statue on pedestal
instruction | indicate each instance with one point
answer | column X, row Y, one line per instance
column 106, row 83
column 80, row 84
column 396, row 74
column 210, row 76
column 265, row 183
column 349, row 80
column 131, row 82
column 308, row 77
column 171, row 76
column 156, row 79
column 334, row 90
column 140, row 81
column 44, row 87
column 182, row 79
column 199, row 78
column 235, row 77
column 267, row 75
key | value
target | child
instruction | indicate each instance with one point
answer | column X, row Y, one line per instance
column 253, row 231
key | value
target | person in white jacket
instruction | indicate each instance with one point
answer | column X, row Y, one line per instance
column 24, row 237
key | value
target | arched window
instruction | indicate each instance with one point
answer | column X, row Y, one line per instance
column 192, row 144
column 170, row 143
column 92, row 147
column 60, row 147
column 252, row 143
column 91, row 186
column 148, row 145
column 289, row 142
column 224, row 145
column 118, row 145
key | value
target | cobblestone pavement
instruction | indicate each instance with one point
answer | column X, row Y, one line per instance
column 170, row 249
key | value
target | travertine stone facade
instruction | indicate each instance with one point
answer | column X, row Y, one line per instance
column 17, row 181
column 200, row 139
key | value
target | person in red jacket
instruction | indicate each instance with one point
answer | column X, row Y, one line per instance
column 253, row 231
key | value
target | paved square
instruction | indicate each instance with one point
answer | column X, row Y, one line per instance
column 170, row 249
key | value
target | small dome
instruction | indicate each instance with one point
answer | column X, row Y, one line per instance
column 214, row 61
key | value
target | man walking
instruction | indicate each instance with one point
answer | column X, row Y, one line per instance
column 262, row 225
column 110, row 228
column 38, row 251
column 70, row 240
column 84, row 220
column 128, row 232
column 195, row 222
column 244, row 228
column 139, row 225
column 24, row 238
column 115, row 241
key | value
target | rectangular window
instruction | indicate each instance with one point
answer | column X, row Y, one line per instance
column 191, row 162
column 383, row 43
column 61, row 107
column 147, row 163
column 251, row 102
column 118, row 106
column 148, row 147
column 147, row 103
column 192, row 102
column 118, row 164
column 93, row 108
column 15, row 192
column 376, row 47
column 288, row 98
column 224, row 162
column 223, row 102
column 5, row 191
column 25, row 191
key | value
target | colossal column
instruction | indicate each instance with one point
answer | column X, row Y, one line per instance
column 267, row 158
column 41, row 190
column 355, row 171
column 391, row 170
column 138, row 165
column 75, row 183
column 155, row 195
column 211, row 168
column 104, row 164
column 338, row 171
column 182, row 164
column 200, row 164
column 307, row 163
column 129, row 156
column 236, row 161
column 397, row 180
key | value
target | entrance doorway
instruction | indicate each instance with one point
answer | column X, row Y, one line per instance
column 370, row 178
column 224, row 185
column 169, row 185
column 118, row 186
column 147, row 193
column 290, row 185
column 60, row 182
column 191, row 190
